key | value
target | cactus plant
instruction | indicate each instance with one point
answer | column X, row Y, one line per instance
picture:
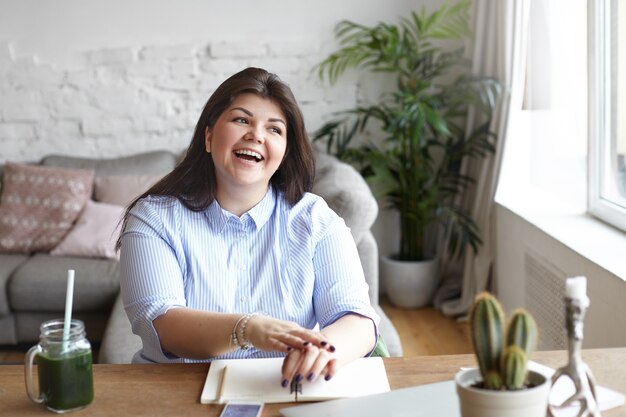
column 502, row 356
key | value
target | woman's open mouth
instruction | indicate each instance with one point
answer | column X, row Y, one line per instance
column 248, row 155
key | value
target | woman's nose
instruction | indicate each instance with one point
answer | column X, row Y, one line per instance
column 255, row 134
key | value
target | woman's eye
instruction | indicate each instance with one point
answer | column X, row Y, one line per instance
column 276, row 130
column 240, row 120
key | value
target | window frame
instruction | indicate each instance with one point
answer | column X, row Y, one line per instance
column 601, row 120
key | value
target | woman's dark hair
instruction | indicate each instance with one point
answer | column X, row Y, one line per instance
column 193, row 180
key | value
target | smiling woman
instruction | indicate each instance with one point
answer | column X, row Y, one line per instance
column 247, row 145
column 231, row 256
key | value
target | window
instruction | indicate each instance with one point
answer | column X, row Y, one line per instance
column 554, row 161
column 569, row 137
column 546, row 148
column 607, row 98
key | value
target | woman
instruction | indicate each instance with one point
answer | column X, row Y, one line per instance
column 230, row 256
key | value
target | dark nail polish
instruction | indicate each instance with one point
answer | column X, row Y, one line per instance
column 305, row 344
column 310, row 376
column 299, row 378
column 332, row 348
column 284, row 383
column 324, row 343
column 289, row 348
column 327, row 377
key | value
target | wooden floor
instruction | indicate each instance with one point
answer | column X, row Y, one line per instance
column 423, row 331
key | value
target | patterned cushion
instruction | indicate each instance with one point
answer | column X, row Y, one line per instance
column 94, row 234
column 39, row 204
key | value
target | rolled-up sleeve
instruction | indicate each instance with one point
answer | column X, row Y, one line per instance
column 340, row 286
column 151, row 278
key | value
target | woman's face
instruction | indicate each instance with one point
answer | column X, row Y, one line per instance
column 247, row 143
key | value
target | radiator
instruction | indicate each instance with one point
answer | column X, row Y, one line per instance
column 545, row 287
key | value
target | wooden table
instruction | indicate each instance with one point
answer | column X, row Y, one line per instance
column 174, row 389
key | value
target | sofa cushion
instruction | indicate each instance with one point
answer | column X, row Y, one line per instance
column 122, row 189
column 346, row 192
column 39, row 204
column 94, row 234
column 8, row 264
column 39, row 284
column 149, row 163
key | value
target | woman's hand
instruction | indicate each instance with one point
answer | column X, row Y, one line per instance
column 354, row 336
column 270, row 334
column 310, row 355
column 310, row 363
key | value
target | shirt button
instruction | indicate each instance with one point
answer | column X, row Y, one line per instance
column 244, row 298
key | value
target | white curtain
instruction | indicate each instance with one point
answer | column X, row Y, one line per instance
column 498, row 50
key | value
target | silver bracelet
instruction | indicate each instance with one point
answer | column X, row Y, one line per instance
column 234, row 340
column 243, row 341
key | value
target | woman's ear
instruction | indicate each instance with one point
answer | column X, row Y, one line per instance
column 207, row 139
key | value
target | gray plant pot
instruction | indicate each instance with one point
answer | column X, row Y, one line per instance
column 409, row 284
column 477, row 402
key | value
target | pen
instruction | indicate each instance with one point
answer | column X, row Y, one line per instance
column 222, row 384
column 296, row 388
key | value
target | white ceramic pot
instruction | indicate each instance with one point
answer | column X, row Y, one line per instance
column 477, row 402
column 409, row 284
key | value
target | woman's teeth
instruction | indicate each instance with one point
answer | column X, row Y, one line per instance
column 249, row 155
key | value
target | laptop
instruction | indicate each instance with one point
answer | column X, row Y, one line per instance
column 432, row 400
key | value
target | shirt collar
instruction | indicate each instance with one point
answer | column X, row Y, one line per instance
column 264, row 209
column 260, row 214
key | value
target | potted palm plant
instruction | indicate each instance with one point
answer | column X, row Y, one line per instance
column 416, row 167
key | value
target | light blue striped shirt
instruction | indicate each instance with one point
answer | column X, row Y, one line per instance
column 296, row 263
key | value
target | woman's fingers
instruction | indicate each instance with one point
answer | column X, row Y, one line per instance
column 290, row 366
column 314, row 366
column 309, row 363
column 330, row 370
column 310, row 355
column 270, row 334
column 300, row 338
column 315, row 338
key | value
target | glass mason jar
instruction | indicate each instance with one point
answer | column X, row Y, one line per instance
column 64, row 367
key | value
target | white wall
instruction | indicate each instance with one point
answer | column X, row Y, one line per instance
column 54, row 30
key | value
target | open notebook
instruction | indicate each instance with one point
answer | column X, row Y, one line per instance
column 259, row 380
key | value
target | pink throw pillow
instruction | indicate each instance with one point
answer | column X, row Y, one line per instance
column 94, row 234
column 39, row 204
column 122, row 189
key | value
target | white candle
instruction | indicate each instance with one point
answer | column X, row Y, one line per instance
column 576, row 288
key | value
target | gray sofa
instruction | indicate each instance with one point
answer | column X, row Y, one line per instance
column 33, row 286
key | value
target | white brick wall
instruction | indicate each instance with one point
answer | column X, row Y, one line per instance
column 240, row 49
column 124, row 100
column 108, row 56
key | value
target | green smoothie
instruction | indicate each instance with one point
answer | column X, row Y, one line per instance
column 66, row 382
